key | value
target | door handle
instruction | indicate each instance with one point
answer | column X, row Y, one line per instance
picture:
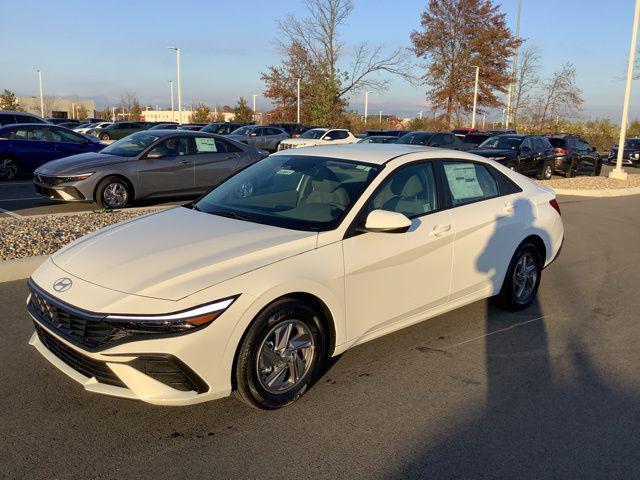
column 184, row 162
column 509, row 208
column 440, row 230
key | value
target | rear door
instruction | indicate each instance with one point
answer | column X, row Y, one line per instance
column 214, row 160
column 168, row 168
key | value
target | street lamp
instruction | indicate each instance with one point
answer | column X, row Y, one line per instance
column 380, row 118
column 475, row 97
column 420, row 114
column 366, row 105
column 254, row 106
column 173, row 115
column 177, row 50
column 618, row 172
column 298, row 100
column 41, row 95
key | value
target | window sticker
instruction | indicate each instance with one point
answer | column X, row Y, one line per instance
column 463, row 181
column 206, row 145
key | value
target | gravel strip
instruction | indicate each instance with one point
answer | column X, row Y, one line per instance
column 593, row 183
column 43, row 235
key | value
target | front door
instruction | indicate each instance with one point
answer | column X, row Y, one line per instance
column 390, row 277
column 167, row 169
column 214, row 160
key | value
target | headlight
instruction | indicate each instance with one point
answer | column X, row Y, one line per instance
column 636, row 155
column 73, row 178
column 172, row 322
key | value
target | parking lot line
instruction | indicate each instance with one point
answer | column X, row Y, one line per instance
column 11, row 214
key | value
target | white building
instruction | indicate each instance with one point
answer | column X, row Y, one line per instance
column 169, row 116
column 59, row 107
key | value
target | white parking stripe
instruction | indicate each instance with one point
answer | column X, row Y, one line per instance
column 12, row 214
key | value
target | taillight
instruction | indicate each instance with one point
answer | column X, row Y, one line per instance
column 561, row 151
column 554, row 204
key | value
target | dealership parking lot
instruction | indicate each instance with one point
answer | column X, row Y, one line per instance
column 549, row 392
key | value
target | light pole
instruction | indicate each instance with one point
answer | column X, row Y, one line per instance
column 366, row 105
column 177, row 50
column 41, row 95
column 298, row 101
column 618, row 172
column 380, row 117
column 475, row 97
column 173, row 115
column 254, row 106
column 420, row 114
column 515, row 66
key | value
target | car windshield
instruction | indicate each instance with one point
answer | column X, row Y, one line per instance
column 131, row 145
column 502, row 142
column 471, row 138
column 292, row 191
column 243, row 130
column 314, row 133
column 415, row 138
column 211, row 128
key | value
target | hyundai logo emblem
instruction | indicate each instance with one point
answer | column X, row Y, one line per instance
column 62, row 284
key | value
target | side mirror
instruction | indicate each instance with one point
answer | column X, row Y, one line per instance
column 385, row 221
column 328, row 138
column 152, row 155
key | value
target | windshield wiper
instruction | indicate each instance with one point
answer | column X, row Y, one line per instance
column 234, row 215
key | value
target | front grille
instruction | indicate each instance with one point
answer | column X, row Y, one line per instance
column 84, row 365
column 49, row 181
column 87, row 330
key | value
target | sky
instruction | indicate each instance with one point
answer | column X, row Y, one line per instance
column 102, row 50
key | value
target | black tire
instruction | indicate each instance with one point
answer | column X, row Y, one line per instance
column 104, row 136
column 249, row 371
column 597, row 168
column 571, row 169
column 546, row 172
column 9, row 168
column 113, row 193
column 508, row 297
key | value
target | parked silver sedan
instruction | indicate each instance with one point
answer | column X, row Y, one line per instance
column 146, row 164
column 267, row 138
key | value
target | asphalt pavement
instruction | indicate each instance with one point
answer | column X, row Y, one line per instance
column 549, row 392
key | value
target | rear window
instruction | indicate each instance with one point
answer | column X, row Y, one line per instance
column 474, row 138
column 6, row 118
column 557, row 142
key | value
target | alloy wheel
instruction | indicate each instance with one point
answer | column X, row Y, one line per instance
column 8, row 169
column 115, row 195
column 525, row 276
column 285, row 356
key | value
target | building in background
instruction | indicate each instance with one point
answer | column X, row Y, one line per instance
column 169, row 116
column 60, row 107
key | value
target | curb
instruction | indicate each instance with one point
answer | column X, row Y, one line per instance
column 616, row 192
column 20, row 268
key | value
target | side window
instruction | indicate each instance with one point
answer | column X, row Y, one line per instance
column 224, row 146
column 410, row 191
column 469, row 182
column 7, row 118
column 25, row 119
column 273, row 131
column 437, row 140
column 33, row 133
column 339, row 134
column 171, row 147
column 59, row 135
column 527, row 143
column 448, row 139
column 505, row 185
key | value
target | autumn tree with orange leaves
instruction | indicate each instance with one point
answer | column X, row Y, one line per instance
column 455, row 36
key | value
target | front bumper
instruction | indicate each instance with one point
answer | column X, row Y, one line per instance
column 54, row 188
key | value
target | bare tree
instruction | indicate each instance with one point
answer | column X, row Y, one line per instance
column 526, row 79
column 559, row 95
column 130, row 106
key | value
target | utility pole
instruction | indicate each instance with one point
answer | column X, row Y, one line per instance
column 298, row 101
column 380, row 118
column 113, row 114
column 515, row 66
column 41, row 95
column 420, row 114
column 254, row 106
column 177, row 50
column 366, row 105
column 618, row 172
column 173, row 115
column 475, row 98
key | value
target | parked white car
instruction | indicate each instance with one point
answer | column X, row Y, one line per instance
column 295, row 259
column 91, row 126
column 319, row 136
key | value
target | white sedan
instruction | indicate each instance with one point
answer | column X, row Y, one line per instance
column 92, row 126
column 319, row 136
column 294, row 259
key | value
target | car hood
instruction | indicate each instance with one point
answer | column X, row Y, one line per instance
column 177, row 252
column 493, row 152
column 239, row 138
column 76, row 163
column 300, row 142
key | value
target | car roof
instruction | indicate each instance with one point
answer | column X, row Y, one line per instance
column 377, row 153
column 166, row 133
column 34, row 124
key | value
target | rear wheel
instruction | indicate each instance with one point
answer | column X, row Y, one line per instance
column 104, row 136
column 113, row 192
column 8, row 169
column 571, row 169
column 280, row 356
column 522, row 279
column 547, row 171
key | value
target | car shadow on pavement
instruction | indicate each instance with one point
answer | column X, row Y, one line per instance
column 538, row 421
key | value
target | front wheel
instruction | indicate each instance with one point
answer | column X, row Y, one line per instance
column 8, row 169
column 547, row 171
column 572, row 168
column 112, row 193
column 280, row 356
column 104, row 136
column 522, row 279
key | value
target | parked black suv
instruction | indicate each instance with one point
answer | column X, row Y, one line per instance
column 472, row 140
column 527, row 154
column 222, row 128
column 630, row 155
column 574, row 156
